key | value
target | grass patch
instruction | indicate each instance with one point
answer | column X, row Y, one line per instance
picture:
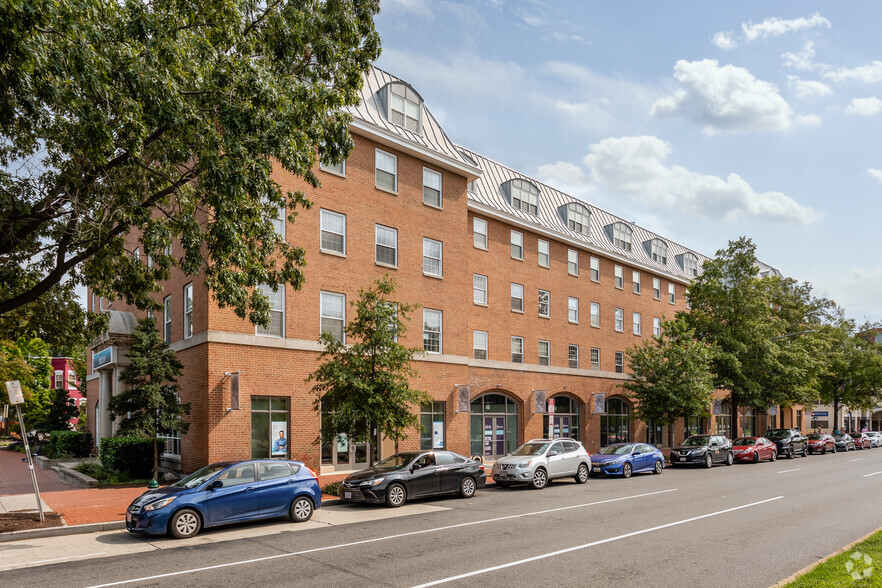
column 107, row 477
column 835, row 571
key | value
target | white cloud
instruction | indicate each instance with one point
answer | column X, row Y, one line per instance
column 876, row 174
column 808, row 88
column 865, row 106
column 804, row 60
column 418, row 7
column 724, row 40
column 636, row 166
column 870, row 74
column 856, row 290
column 726, row 98
column 807, row 120
column 573, row 176
column 775, row 27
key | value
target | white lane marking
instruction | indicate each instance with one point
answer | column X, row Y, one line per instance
column 788, row 471
column 592, row 544
column 857, row 459
column 873, row 474
column 378, row 539
column 42, row 561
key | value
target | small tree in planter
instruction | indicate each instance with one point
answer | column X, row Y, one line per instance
column 151, row 404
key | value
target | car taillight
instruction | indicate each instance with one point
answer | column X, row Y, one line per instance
column 481, row 467
column 311, row 473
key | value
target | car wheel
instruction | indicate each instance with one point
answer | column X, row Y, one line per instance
column 467, row 487
column 396, row 495
column 626, row 470
column 774, row 456
column 804, row 452
column 790, row 454
column 582, row 474
column 708, row 461
column 301, row 509
column 540, row 479
column 756, row 457
column 730, row 459
column 185, row 524
column 834, row 449
column 659, row 466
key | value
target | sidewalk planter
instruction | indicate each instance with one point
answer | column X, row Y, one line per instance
column 73, row 477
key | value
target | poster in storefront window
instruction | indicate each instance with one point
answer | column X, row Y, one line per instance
column 280, row 441
column 438, row 434
column 599, row 403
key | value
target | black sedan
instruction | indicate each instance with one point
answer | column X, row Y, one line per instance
column 703, row 449
column 412, row 474
column 844, row 442
column 789, row 442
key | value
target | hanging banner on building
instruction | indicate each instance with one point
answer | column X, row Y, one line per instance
column 600, row 404
column 103, row 357
column 718, row 407
column 464, row 400
column 234, row 391
column 539, row 397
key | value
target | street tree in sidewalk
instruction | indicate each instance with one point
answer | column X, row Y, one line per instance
column 135, row 125
column 853, row 374
column 670, row 376
column 150, row 405
column 27, row 360
column 362, row 387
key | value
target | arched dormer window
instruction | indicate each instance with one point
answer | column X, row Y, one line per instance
column 657, row 250
column 690, row 264
column 403, row 105
column 522, row 195
column 577, row 218
column 622, row 234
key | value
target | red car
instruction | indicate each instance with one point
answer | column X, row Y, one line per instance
column 821, row 443
column 754, row 449
column 861, row 440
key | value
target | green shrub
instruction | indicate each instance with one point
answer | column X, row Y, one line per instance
column 332, row 489
column 70, row 444
column 129, row 455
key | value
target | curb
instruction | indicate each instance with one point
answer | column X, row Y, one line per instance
column 63, row 530
column 812, row 566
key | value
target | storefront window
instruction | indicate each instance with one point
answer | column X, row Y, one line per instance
column 269, row 428
column 748, row 423
column 692, row 426
column 341, row 453
column 724, row 420
column 432, row 429
column 564, row 422
column 493, row 426
column 655, row 433
column 615, row 425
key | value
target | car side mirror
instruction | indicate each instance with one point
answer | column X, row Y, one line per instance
column 415, row 467
column 637, row 452
column 216, row 484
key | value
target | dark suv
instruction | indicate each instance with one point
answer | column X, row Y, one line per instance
column 788, row 441
column 703, row 449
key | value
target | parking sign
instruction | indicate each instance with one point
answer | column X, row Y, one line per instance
column 14, row 389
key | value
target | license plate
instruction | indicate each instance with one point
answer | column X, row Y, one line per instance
column 682, row 459
column 347, row 495
column 128, row 517
column 596, row 470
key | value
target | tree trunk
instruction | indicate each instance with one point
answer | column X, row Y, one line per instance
column 155, row 460
column 835, row 414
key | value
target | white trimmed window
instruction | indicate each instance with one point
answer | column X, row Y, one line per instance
column 333, row 315
column 432, row 330
column 622, row 236
column 688, row 302
column 432, row 257
column 387, row 246
column 544, row 303
column 572, row 262
column 479, row 289
column 404, row 107
column 279, row 222
column 517, row 350
column 333, row 232
column 136, row 254
column 524, row 196
column 573, row 310
column 517, row 297
column 544, row 353
column 334, row 168
column 480, row 344
column 659, row 251
column 166, row 319
column 595, row 314
column 71, row 379
column 479, row 229
column 573, row 356
column 172, row 440
column 386, row 171
column 276, row 326
column 620, row 320
column 544, row 253
column 595, row 359
column 638, row 323
column 656, row 326
column 656, row 288
column 620, row 362
column 578, row 219
column 635, row 281
column 188, row 310
column 59, row 379
column 620, row 277
column 690, row 264
column 672, row 293
column 517, row 245
column 431, row 187
column 595, row 269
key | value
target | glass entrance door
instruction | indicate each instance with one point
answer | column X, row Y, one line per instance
column 494, row 437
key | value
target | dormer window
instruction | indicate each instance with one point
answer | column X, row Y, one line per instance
column 577, row 218
column 522, row 195
column 404, row 107
column 690, row 264
column 658, row 251
column 622, row 236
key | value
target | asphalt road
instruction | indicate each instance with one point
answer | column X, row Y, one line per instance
column 741, row 526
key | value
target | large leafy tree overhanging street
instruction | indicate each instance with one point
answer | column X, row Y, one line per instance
column 853, row 375
column 136, row 124
column 362, row 388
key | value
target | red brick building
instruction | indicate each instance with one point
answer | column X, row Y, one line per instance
column 526, row 294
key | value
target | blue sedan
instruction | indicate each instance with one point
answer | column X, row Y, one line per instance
column 623, row 459
column 227, row 492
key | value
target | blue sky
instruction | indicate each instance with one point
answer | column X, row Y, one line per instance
column 702, row 121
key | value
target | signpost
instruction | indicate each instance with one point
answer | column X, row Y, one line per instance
column 17, row 398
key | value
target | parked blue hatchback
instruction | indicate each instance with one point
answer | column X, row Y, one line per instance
column 624, row 459
column 227, row 492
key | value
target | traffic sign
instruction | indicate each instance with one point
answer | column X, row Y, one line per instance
column 551, row 405
column 15, row 394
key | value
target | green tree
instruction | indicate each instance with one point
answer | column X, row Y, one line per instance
column 670, row 375
column 27, row 360
column 59, row 412
column 364, row 386
column 136, row 124
column 853, row 374
column 150, row 405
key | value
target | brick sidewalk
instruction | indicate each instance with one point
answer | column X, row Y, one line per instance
column 16, row 479
column 92, row 505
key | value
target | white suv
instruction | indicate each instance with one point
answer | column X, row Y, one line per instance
column 538, row 461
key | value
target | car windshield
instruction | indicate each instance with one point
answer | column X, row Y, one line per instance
column 696, row 441
column 530, row 449
column 777, row 433
column 617, row 450
column 396, row 462
column 200, row 476
column 839, row 436
column 744, row 441
column 816, row 437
